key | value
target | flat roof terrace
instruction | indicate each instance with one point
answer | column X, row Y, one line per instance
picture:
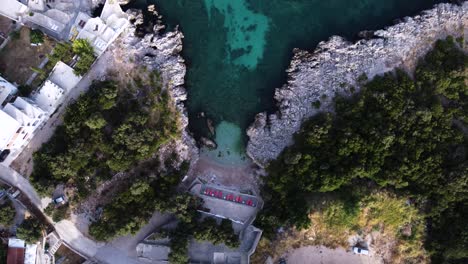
column 222, row 202
column 231, row 196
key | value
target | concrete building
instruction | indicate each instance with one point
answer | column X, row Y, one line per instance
column 60, row 82
column 16, row 251
column 100, row 31
column 7, row 90
column 13, row 9
column 31, row 254
column 29, row 116
column 49, row 97
column 11, row 130
column 19, row 121
column 63, row 76
column 47, row 24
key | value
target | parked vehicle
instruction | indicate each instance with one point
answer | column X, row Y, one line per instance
column 360, row 251
column 59, row 200
column 13, row 192
column 4, row 154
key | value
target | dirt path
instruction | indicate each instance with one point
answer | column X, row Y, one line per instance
column 323, row 255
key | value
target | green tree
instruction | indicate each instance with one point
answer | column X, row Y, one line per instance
column 96, row 121
column 398, row 133
column 30, row 230
column 7, row 214
column 82, row 46
column 36, row 37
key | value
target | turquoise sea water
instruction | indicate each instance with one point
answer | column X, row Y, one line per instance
column 237, row 51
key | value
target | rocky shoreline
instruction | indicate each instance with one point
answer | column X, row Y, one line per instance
column 161, row 50
column 337, row 65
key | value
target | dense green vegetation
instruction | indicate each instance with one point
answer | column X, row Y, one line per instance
column 7, row 213
column 398, row 133
column 58, row 213
column 3, row 253
column 107, row 130
column 132, row 208
column 62, row 52
column 207, row 230
column 85, row 51
column 36, row 37
column 30, row 230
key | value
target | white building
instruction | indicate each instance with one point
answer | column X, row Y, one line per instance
column 52, row 93
column 13, row 9
column 6, row 90
column 30, row 254
column 19, row 120
column 29, row 116
column 10, row 132
column 100, row 31
column 49, row 97
column 63, row 76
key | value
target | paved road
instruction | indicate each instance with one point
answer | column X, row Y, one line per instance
column 120, row 251
column 14, row 179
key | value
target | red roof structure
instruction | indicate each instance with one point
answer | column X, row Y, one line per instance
column 15, row 256
column 16, row 250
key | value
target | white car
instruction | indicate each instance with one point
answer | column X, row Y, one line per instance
column 360, row 251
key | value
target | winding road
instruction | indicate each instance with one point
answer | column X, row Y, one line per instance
column 120, row 251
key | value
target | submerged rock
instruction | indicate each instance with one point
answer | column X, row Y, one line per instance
column 211, row 128
column 206, row 142
column 336, row 65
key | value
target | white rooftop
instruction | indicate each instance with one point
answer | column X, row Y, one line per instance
column 12, row 9
column 63, row 76
column 101, row 31
column 19, row 116
column 31, row 253
column 27, row 107
column 9, row 128
column 6, row 89
column 49, row 96
column 46, row 22
column 16, row 243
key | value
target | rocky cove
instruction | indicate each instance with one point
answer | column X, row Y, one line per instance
column 336, row 66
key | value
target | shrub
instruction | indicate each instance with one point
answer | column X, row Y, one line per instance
column 36, row 37
column 30, row 230
column 7, row 213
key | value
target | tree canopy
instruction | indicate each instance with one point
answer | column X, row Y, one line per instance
column 105, row 131
column 30, row 230
column 85, row 51
column 7, row 213
column 398, row 132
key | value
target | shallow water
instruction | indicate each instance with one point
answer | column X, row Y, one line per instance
column 237, row 51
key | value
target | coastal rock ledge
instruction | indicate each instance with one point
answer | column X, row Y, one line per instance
column 336, row 65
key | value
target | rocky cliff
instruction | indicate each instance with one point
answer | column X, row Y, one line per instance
column 336, row 65
column 159, row 50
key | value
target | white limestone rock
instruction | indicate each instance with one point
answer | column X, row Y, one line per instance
column 336, row 64
column 161, row 51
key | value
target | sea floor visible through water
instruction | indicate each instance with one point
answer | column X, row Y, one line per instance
column 237, row 52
